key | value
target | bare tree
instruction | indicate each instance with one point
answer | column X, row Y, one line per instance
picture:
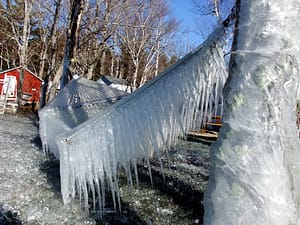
column 17, row 15
column 142, row 36
column 8, row 49
column 217, row 8
column 162, row 33
column 23, row 46
column 98, row 29
column 98, row 34
column 50, row 51
column 76, row 11
column 211, row 14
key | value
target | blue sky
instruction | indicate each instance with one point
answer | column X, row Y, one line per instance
column 182, row 11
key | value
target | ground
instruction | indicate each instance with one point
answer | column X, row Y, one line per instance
column 30, row 184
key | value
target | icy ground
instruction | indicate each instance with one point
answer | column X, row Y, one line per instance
column 25, row 187
column 30, row 185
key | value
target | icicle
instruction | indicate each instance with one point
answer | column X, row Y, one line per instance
column 150, row 119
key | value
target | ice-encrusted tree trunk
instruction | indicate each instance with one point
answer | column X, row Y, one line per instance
column 254, row 178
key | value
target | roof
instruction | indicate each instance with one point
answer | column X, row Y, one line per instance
column 78, row 101
column 16, row 68
column 82, row 91
column 108, row 80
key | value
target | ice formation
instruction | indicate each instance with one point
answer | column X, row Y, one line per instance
column 77, row 102
column 255, row 177
column 145, row 122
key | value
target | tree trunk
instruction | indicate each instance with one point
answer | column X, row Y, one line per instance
column 254, row 177
column 102, row 66
column 90, row 71
column 114, row 66
column 217, row 10
column 43, row 58
column 121, row 69
column 135, row 74
column 23, row 47
column 117, row 68
column 53, row 50
column 157, row 56
column 54, row 84
column 76, row 12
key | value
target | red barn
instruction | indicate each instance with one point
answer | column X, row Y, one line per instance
column 9, row 82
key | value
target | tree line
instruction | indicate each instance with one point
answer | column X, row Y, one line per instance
column 129, row 39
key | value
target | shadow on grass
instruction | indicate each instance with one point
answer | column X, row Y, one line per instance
column 37, row 142
column 51, row 168
column 8, row 217
column 181, row 193
column 127, row 217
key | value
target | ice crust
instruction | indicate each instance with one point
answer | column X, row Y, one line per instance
column 26, row 176
column 256, row 163
column 142, row 124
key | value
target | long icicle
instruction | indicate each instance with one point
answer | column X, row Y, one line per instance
column 147, row 120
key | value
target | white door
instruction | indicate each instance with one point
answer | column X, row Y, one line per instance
column 9, row 85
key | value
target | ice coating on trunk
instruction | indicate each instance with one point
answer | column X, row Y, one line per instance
column 145, row 122
column 255, row 174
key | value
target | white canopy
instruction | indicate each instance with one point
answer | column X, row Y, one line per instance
column 77, row 102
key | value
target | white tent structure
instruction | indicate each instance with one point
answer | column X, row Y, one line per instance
column 80, row 100
column 114, row 82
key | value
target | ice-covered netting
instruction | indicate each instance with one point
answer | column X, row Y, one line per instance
column 145, row 122
column 255, row 173
column 77, row 102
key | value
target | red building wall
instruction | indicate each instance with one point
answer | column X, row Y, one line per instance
column 31, row 85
